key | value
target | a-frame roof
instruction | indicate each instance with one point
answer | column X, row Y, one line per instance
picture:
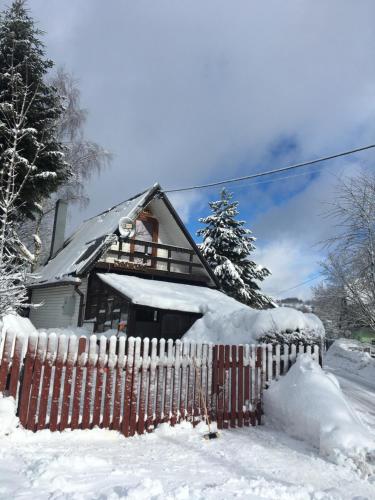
column 90, row 240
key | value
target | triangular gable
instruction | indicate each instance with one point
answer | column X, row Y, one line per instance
column 90, row 241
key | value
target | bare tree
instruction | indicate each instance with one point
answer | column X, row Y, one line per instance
column 351, row 261
column 86, row 158
column 16, row 171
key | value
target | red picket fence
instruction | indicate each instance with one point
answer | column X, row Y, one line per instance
column 130, row 385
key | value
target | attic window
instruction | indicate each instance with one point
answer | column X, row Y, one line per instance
column 90, row 250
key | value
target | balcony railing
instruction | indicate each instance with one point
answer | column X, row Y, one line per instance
column 142, row 255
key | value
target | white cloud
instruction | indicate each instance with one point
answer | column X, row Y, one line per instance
column 290, row 263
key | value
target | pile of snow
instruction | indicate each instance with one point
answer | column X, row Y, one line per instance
column 8, row 419
column 347, row 355
column 243, row 325
column 16, row 324
column 308, row 404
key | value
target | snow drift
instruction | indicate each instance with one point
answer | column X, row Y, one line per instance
column 346, row 355
column 308, row 404
column 8, row 419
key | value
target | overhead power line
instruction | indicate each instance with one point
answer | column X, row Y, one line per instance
column 299, row 284
column 271, row 172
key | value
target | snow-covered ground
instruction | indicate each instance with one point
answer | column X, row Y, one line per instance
column 251, row 463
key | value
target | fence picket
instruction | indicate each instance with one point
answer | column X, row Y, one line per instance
column 61, row 351
column 233, row 403
column 176, row 381
column 220, row 388
column 70, row 362
column 168, row 382
column 247, row 385
column 100, row 370
column 191, row 382
column 240, row 386
column 226, row 386
column 35, row 382
column 152, row 386
column 80, row 364
column 184, row 381
column 89, row 383
column 46, row 382
column 134, row 391
column 121, row 362
column 16, row 365
column 5, row 361
column 143, row 388
column 128, row 387
column 160, row 383
column 109, row 382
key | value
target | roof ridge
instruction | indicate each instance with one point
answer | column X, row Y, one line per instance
column 155, row 185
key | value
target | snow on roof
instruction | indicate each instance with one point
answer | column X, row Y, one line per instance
column 225, row 320
column 88, row 240
column 166, row 295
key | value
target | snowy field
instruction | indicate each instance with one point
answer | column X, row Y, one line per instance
column 249, row 463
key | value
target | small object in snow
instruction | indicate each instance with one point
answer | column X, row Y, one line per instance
column 211, row 435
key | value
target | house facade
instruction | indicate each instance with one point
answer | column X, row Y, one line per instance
column 148, row 280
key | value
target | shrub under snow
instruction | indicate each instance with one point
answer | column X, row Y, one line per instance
column 243, row 325
column 307, row 403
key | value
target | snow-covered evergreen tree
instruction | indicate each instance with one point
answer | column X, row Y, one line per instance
column 227, row 245
column 23, row 85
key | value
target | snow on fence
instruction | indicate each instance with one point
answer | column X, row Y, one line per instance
column 132, row 385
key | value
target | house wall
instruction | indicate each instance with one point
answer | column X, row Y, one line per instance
column 60, row 306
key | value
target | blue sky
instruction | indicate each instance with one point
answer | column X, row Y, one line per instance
column 189, row 92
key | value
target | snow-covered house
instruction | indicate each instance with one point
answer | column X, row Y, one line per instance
column 134, row 266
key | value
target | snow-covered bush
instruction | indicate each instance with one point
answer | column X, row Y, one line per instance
column 230, row 322
column 308, row 404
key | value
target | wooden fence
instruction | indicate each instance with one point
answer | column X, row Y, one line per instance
column 132, row 385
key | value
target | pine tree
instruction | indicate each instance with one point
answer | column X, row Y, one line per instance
column 24, row 89
column 226, row 246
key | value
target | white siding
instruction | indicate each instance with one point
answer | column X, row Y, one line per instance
column 60, row 306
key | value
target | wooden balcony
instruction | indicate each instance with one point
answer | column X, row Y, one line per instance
column 156, row 258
